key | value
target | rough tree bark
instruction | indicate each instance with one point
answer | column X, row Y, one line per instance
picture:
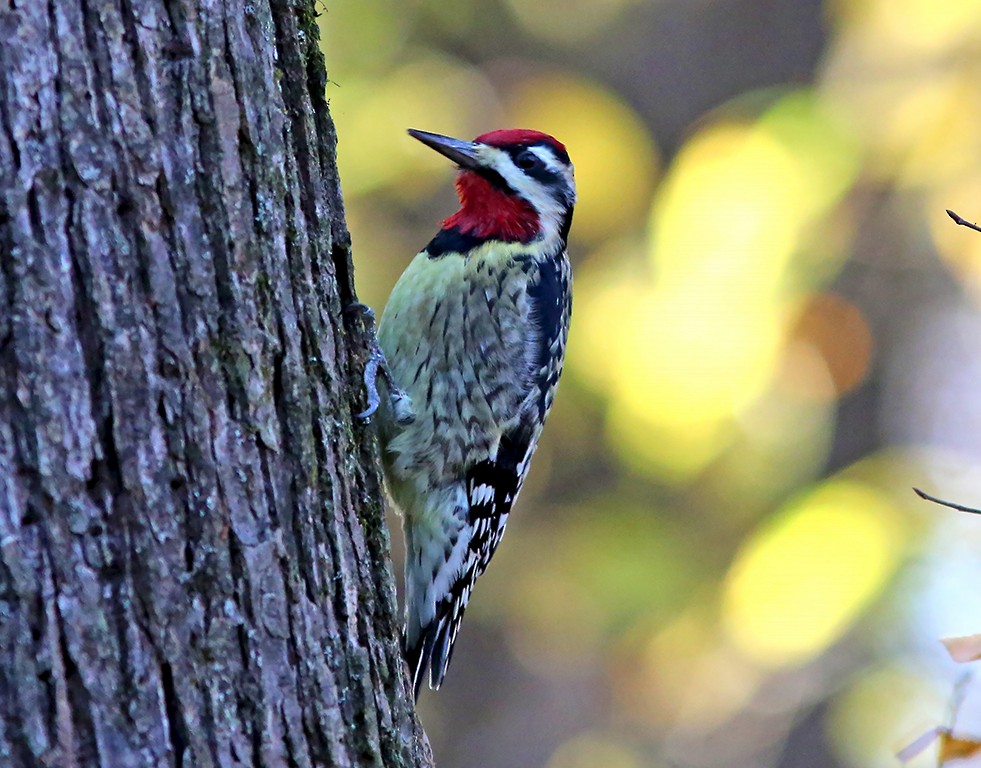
column 193, row 561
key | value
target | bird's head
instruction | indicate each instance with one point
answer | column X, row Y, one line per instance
column 515, row 185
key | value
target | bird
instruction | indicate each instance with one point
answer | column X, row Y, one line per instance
column 471, row 344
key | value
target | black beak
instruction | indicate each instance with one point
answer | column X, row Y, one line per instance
column 463, row 153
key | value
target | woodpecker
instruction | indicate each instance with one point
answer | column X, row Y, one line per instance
column 473, row 339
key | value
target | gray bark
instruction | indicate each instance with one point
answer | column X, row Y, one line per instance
column 193, row 560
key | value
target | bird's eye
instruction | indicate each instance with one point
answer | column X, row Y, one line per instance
column 528, row 160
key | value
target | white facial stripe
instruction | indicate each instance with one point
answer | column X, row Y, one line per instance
column 548, row 157
column 550, row 210
column 555, row 165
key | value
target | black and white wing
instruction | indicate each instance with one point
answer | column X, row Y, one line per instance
column 493, row 485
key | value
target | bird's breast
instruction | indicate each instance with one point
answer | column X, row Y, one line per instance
column 460, row 340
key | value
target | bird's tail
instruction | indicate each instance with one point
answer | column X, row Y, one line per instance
column 438, row 580
column 431, row 651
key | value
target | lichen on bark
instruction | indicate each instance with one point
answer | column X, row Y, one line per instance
column 193, row 563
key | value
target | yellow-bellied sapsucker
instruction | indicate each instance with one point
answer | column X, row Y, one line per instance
column 474, row 335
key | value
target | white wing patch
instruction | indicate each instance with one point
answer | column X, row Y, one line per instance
column 481, row 495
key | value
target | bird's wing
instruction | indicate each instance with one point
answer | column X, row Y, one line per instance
column 493, row 484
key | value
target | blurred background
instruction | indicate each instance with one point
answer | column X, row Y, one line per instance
column 718, row 559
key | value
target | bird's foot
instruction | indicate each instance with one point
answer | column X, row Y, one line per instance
column 377, row 366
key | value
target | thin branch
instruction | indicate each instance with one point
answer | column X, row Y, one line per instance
column 952, row 505
column 964, row 223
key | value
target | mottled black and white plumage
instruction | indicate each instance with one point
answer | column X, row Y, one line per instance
column 474, row 334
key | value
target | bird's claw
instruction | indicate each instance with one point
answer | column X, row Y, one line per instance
column 371, row 380
column 378, row 365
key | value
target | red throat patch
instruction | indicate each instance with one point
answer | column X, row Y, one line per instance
column 489, row 212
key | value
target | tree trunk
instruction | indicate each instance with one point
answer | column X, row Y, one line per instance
column 194, row 565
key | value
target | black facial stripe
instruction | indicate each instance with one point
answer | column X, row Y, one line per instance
column 547, row 177
column 566, row 225
column 540, row 172
column 496, row 179
column 560, row 154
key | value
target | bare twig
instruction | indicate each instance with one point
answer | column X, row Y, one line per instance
column 963, row 222
column 952, row 505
